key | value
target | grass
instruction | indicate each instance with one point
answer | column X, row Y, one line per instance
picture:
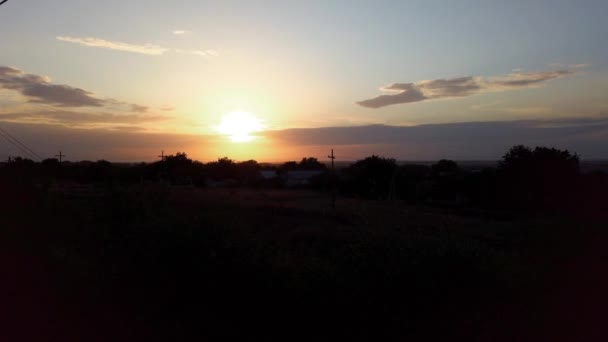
column 156, row 262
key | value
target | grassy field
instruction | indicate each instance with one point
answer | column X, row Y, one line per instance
column 160, row 262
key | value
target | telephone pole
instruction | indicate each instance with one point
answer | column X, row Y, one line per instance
column 161, row 169
column 60, row 156
column 333, row 179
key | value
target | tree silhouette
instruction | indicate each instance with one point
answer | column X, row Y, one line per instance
column 521, row 158
column 223, row 168
column 311, row 163
column 539, row 178
column 248, row 171
column 371, row 177
column 445, row 166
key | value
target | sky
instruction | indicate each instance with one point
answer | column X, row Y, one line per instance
column 281, row 80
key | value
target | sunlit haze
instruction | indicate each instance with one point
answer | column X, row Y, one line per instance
column 280, row 80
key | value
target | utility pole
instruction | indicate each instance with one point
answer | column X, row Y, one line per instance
column 161, row 171
column 60, row 156
column 333, row 179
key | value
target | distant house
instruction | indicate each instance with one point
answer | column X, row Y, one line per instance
column 268, row 174
column 300, row 177
column 268, row 178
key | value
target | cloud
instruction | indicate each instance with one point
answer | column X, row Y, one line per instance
column 138, row 109
column 132, row 129
column 578, row 66
column 39, row 89
column 59, row 99
column 462, row 87
column 454, row 87
column 167, row 108
column 180, row 32
column 69, row 118
column 146, row 49
column 520, row 79
column 201, row 53
column 464, row 141
column 407, row 92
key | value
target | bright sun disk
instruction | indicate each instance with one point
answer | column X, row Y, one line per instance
column 239, row 126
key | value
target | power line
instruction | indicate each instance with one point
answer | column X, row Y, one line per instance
column 25, row 152
column 18, row 144
column 24, row 146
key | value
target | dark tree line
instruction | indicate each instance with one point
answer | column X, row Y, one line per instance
column 525, row 179
column 176, row 169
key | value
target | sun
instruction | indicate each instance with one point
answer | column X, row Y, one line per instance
column 239, row 126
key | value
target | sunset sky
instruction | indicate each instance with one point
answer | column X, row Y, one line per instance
column 280, row 80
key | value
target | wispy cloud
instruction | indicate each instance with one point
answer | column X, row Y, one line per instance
column 180, row 32
column 405, row 93
column 39, row 89
column 138, row 109
column 60, row 103
column 569, row 66
column 521, row 79
column 582, row 65
column 167, row 108
column 77, row 119
column 462, row 87
column 201, row 53
column 146, row 49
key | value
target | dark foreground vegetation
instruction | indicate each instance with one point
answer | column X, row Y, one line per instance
column 179, row 250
